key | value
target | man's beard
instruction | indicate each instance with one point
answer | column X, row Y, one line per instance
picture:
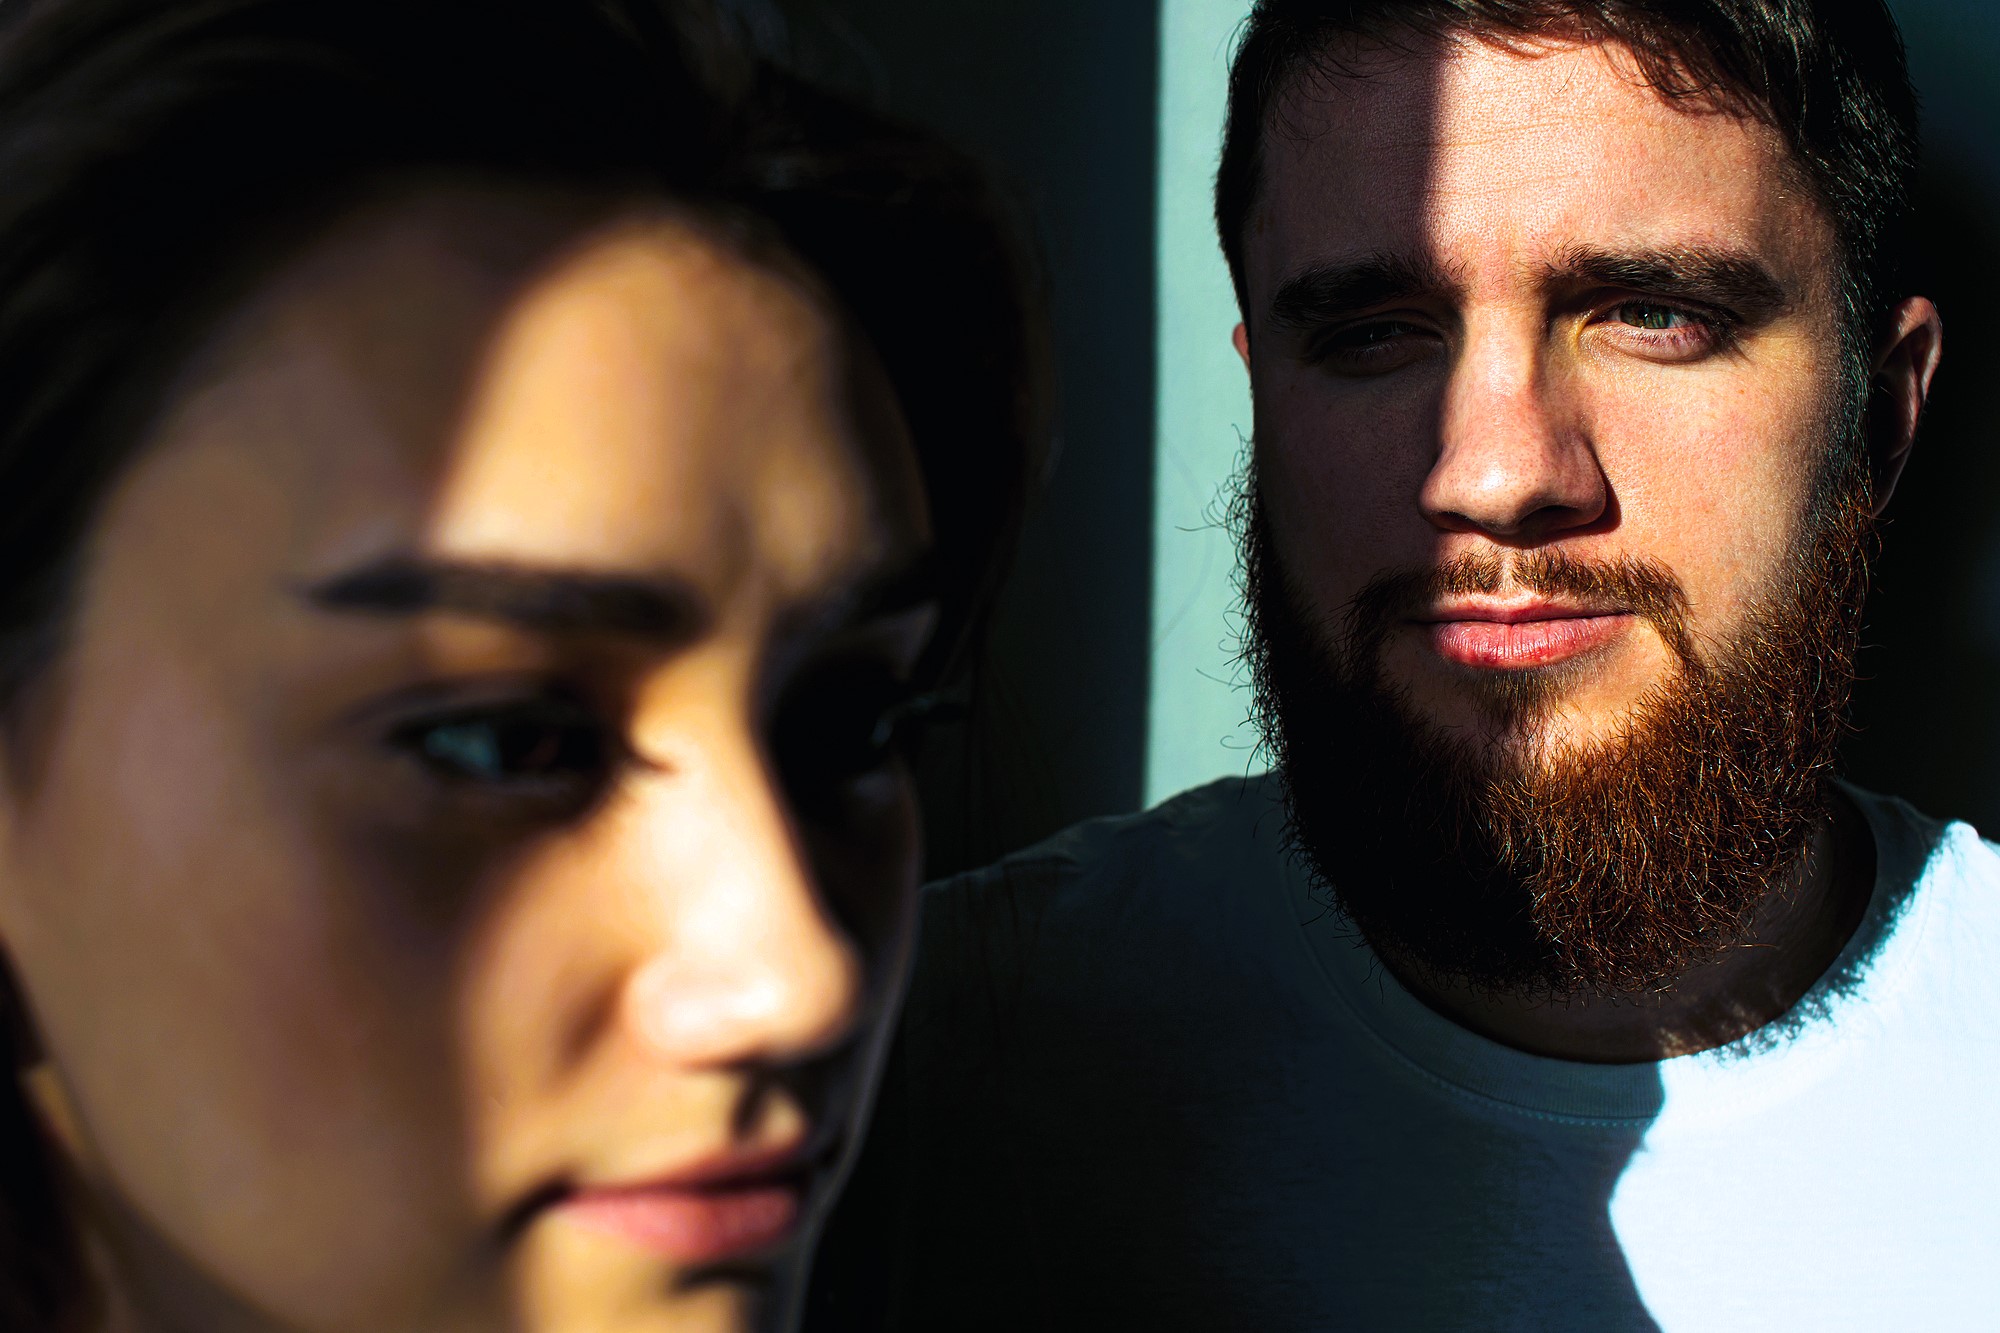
column 1601, row 866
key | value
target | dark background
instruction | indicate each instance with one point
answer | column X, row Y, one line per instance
column 1061, row 97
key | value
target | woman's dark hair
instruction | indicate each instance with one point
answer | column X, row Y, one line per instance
column 1828, row 75
column 158, row 158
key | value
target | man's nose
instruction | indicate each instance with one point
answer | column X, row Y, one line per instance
column 1513, row 462
column 748, row 967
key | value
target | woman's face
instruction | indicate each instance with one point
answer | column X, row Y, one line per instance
column 455, row 867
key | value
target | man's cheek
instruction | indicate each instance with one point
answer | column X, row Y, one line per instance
column 1727, row 533
column 1336, row 522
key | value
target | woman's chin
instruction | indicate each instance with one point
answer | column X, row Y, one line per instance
column 575, row 1279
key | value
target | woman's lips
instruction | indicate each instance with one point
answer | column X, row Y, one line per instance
column 694, row 1225
column 732, row 1207
column 1518, row 639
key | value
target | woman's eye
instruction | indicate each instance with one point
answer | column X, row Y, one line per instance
column 522, row 745
column 842, row 727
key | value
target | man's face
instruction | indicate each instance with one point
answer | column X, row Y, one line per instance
column 1504, row 303
column 1557, row 548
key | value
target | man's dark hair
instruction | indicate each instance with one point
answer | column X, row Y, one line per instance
column 160, row 160
column 1828, row 75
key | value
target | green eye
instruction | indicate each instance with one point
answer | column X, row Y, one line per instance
column 523, row 744
column 468, row 747
column 1641, row 315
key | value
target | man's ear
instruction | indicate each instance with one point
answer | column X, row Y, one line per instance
column 1242, row 340
column 1898, row 387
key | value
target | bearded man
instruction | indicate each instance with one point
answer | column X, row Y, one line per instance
column 1553, row 980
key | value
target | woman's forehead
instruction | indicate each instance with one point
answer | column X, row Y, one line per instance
column 519, row 380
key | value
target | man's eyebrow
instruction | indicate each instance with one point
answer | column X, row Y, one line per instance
column 545, row 601
column 1322, row 293
column 1732, row 279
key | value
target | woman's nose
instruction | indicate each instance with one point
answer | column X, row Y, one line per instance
column 750, row 967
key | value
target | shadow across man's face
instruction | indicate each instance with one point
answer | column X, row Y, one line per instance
column 1511, row 864
column 1557, row 527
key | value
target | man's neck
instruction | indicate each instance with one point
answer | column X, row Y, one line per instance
column 1796, row 936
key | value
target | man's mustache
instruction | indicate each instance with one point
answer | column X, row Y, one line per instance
column 1636, row 585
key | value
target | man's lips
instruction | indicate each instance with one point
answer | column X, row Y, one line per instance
column 730, row 1207
column 1516, row 636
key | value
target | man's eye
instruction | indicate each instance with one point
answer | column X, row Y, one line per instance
column 520, row 745
column 1645, row 315
column 1374, row 348
column 1368, row 335
column 1658, row 331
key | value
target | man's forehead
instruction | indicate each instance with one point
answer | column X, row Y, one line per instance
column 1477, row 155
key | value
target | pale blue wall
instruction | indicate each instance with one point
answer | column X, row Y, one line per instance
column 1195, row 719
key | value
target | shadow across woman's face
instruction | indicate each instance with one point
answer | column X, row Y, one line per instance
column 458, row 869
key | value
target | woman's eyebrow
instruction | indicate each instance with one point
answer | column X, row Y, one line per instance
column 895, row 589
column 545, row 601
column 891, row 590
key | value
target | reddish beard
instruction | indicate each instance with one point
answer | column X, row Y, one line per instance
column 1604, row 867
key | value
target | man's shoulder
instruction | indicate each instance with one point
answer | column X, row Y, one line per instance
column 1208, row 827
column 1127, row 881
column 1935, row 917
column 1914, row 847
